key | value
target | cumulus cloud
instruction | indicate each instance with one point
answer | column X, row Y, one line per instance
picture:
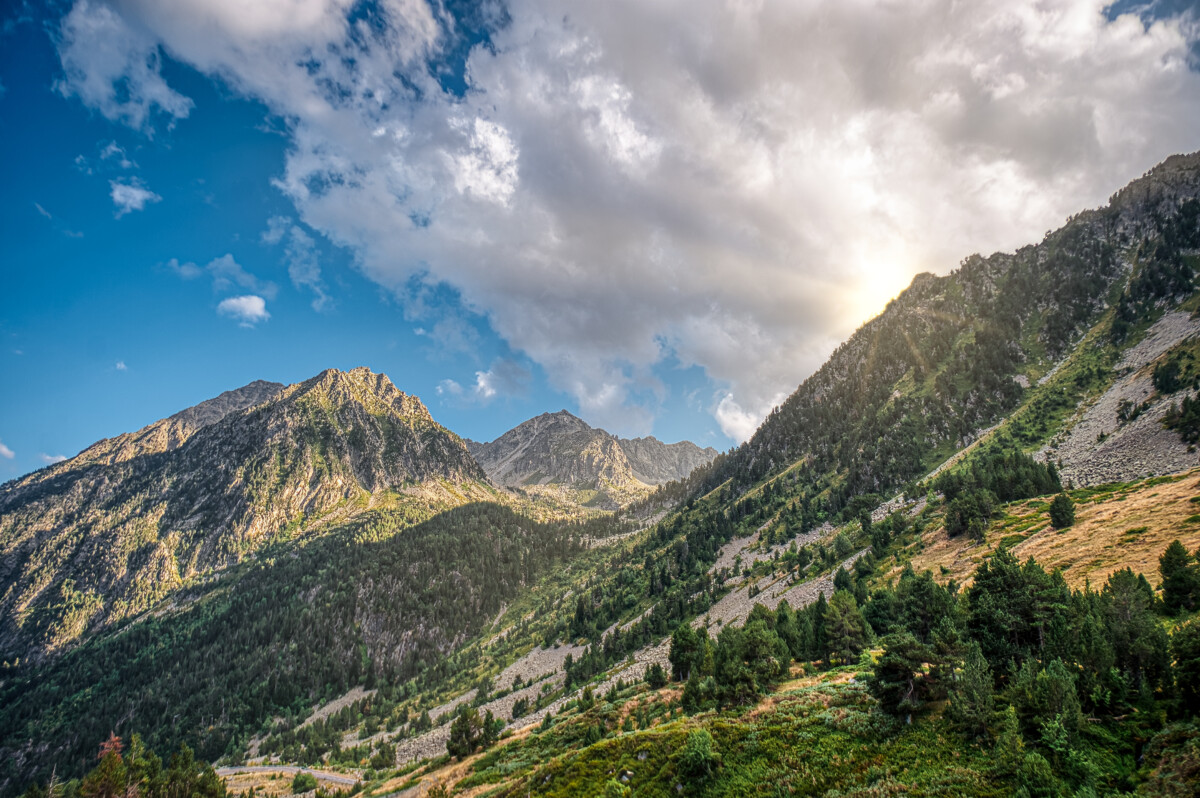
column 248, row 310
column 130, row 195
column 6, row 452
column 226, row 274
column 120, row 366
column 51, row 459
column 740, row 199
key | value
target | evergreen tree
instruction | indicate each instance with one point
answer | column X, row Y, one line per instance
column 1140, row 644
column 1180, row 578
column 971, row 697
column 788, row 631
column 109, row 779
column 1062, row 511
column 489, row 731
column 656, row 677
column 845, row 627
column 464, row 732
column 685, row 648
column 1009, row 752
column 898, row 679
column 1185, row 647
column 817, row 611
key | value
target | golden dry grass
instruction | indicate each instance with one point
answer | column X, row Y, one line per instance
column 271, row 784
column 1128, row 526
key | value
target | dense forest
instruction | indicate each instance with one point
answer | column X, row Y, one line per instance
column 293, row 627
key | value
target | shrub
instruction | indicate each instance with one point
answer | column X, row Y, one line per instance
column 697, row 758
column 304, row 782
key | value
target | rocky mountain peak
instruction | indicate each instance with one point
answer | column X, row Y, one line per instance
column 360, row 385
column 560, row 449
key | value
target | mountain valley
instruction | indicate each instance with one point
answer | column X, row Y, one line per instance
column 960, row 559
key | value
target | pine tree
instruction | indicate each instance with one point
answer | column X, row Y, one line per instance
column 898, row 678
column 685, row 645
column 109, row 779
column 464, row 732
column 845, row 627
column 971, row 698
column 1180, row 578
column 1185, row 646
column 1062, row 511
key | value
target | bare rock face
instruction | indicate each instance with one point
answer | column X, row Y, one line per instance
column 109, row 533
column 558, row 449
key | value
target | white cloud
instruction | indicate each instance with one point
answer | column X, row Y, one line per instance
column 247, row 310
column 6, row 452
column 120, row 366
column 130, row 195
column 277, row 227
column 740, row 423
column 114, row 67
column 42, row 210
column 740, row 199
column 51, row 459
column 504, row 378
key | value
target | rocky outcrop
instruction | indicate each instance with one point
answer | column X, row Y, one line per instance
column 110, row 533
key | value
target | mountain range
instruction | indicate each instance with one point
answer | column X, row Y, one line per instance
column 320, row 574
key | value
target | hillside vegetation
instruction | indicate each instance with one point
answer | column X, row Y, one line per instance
column 845, row 602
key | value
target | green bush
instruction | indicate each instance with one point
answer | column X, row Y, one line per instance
column 697, row 759
column 304, row 782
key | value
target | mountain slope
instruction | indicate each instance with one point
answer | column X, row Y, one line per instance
column 558, row 449
column 106, row 535
column 952, row 356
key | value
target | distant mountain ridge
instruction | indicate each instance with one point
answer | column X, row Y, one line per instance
column 107, row 534
column 559, row 449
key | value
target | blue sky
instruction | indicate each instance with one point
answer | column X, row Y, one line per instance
column 510, row 209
